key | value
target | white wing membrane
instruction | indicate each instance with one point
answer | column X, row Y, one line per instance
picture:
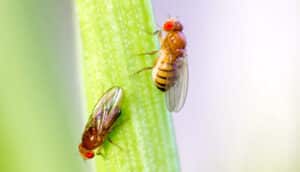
column 176, row 95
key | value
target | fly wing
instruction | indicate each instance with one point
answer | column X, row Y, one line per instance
column 112, row 108
column 106, row 111
column 176, row 94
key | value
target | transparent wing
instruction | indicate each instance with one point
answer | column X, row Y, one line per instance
column 176, row 94
column 106, row 110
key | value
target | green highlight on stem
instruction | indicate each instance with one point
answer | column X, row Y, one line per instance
column 113, row 33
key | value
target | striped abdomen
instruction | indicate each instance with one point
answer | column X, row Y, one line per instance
column 164, row 73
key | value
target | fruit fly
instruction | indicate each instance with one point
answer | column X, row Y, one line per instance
column 100, row 123
column 170, row 70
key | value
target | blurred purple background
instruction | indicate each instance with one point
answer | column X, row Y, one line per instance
column 242, row 109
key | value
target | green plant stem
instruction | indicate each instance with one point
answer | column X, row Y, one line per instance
column 113, row 33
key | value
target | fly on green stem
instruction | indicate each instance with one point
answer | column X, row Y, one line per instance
column 101, row 122
column 170, row 69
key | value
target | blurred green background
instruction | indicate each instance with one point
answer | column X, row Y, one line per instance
column 41, row 100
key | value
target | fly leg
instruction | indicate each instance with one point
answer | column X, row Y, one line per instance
column 98, row 152
column 143, row 69
column 159, row 35
column 116, row 125
column 110, row 141
column 149, row 53
column 157, row 32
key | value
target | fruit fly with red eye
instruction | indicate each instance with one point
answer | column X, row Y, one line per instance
column 101, row 122
column 170, row 70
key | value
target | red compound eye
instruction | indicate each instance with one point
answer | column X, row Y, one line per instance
column 169, row 25
column 89, row 155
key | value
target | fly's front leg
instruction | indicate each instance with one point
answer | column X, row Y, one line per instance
column 160, row 38
column 98, row 152
column 159, row 35
column 157, row 32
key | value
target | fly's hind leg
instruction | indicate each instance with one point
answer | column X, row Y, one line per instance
column 143, row 69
